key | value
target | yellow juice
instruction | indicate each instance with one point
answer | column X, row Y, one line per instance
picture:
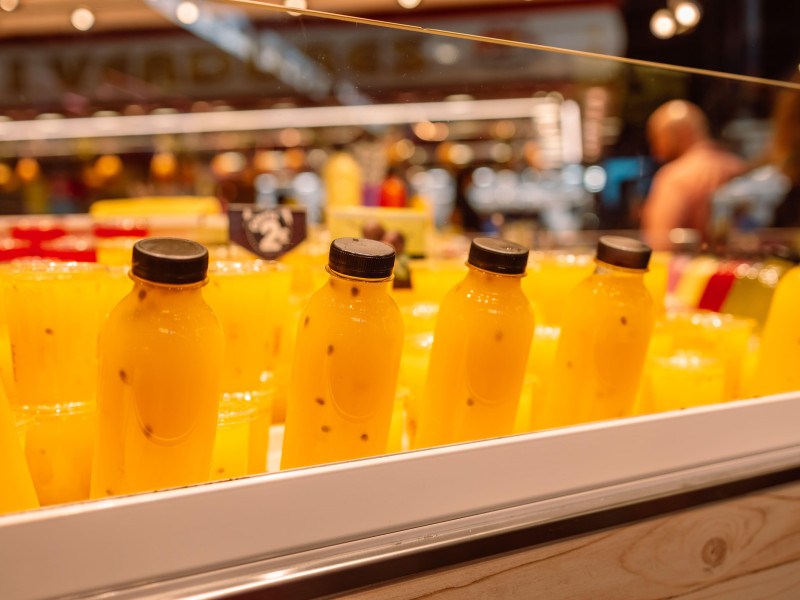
column 250, row 299
column 397, row 428
column 608, row 319
column 16, row 486
column 432, row 278
column 54, row 312
column 551, row 277
column 694, row 279
column 283, row 367
column 682, row 380
column 59, row 448
column 480, row 350
column 231, row 456
column 779, row 355
column 656, row 279
column 721, row 336
column 347, row 357
column 522, row 421
column 541, row 363
column 413, row 370
column 258, row 445
column 161, row 351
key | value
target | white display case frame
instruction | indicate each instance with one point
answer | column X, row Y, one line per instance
column 262, row 531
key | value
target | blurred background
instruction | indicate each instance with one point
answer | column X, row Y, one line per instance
column 251, row 104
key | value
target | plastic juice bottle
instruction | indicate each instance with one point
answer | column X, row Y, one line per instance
column 16, row 486
column 719, row 285
column 393, row 192
column 161, row 352
column 694, row 280
column 779, row 355
column 480, row 349
column 754, row 287
column 346, row 362
column 343, row 180
column 608, row 320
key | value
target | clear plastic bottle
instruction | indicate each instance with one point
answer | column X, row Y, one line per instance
column 161, row 353
column 480, row 349
column 346, row 361
column 343, row 180
column 779, row 355
column 608, row 320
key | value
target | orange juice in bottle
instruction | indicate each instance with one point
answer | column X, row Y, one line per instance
column 608, row 320
column 779, row 354
column 480, row 349
column 161, row 352
column 347, row 357
column 16, row 486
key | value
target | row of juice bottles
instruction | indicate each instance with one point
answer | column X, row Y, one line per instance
column 484, row 371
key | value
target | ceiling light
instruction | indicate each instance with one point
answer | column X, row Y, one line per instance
column 662, row 24
column 82, row 19
column 409, row 3
column 301, row 4
column 187, row 13
column 687, row 13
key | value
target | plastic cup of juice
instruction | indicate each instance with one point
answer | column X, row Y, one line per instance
column 551, row 277
column 432, row 278
column 59, row 445
column 397, row 429
column 541, row 361
column 714, row 334
column 231, row 455
column 413, row 370
column 54, row 312
column 250, row 301
column 530, row 391
column 682, row 380
column 16, row 487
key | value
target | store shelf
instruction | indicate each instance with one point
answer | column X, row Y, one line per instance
column 533, row 478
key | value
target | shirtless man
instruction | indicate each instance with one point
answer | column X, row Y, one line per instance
column 680, row 195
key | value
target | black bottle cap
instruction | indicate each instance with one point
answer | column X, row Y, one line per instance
column 623, row 252
column 360, row 257
column 498, row 256
column 170, row 260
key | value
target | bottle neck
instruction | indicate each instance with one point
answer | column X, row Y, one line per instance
column 358, row 287
column 165, row 288
column 602, row 268
column 497, row 280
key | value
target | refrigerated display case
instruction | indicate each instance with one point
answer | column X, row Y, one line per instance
column 694, row 503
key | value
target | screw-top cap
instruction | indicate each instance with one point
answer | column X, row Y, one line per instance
column 359, row 257
column 623, row 252
column 498, row 256
column 170, row 260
